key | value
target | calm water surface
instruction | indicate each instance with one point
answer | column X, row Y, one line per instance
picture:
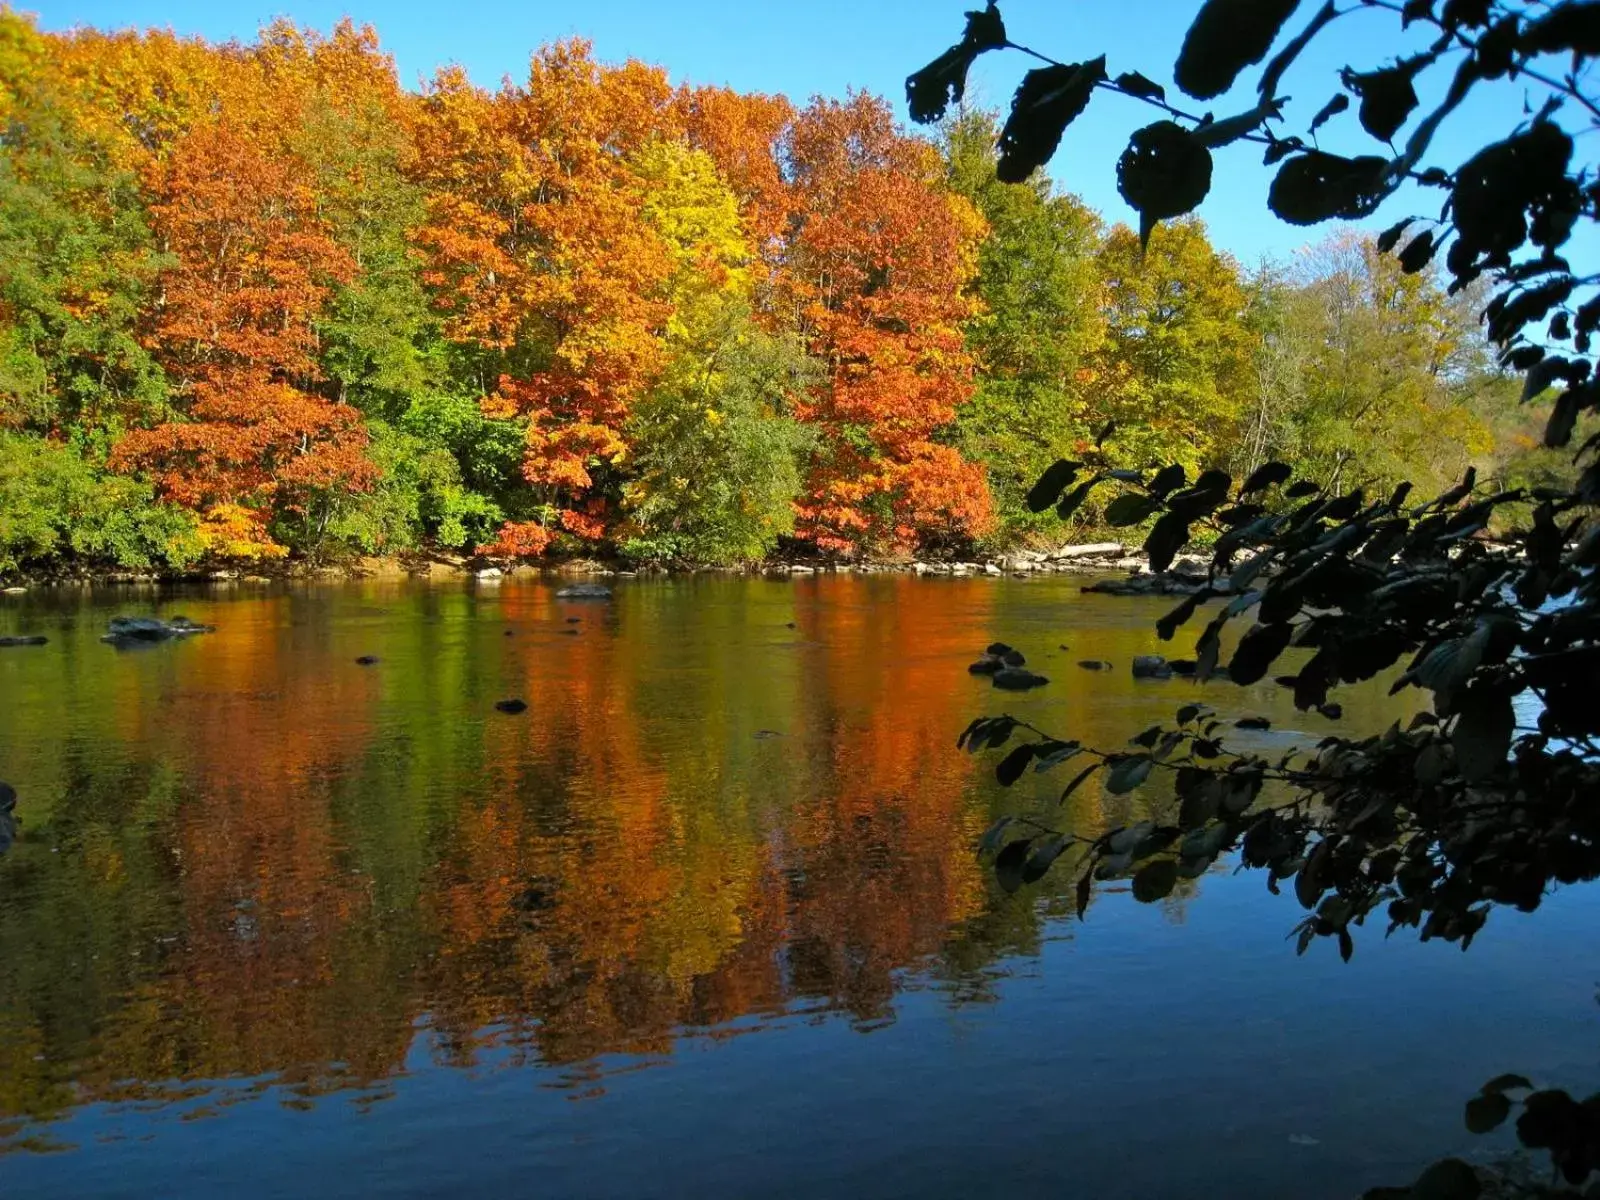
column 704, row 921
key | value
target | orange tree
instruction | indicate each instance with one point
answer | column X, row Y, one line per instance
column 1489, row 798
column 876, row 272
column 253, row 266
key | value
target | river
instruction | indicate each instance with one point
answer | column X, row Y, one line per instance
column 705, row 920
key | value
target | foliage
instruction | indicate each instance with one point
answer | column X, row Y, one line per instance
column 1041, row 323
column 1175, row 364
column 278, row 286
column 57, row 505
column 721, row 453
column 878, row 272
column 1486, row 799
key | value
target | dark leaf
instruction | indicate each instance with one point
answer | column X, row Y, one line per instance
column 1043, row 856
column 1081, row 893
column 1168, row 479
column 1448, row 1179
column 1168, row 625
column 1136, row 84
column 1131, row 508
column 1009, row 863
column 1347, row 945
column 1305, row 487
column 1329, row 110
column 1315, row 186
column 1165, row 172
column 1105, row 433
column 1265, row 476
column 1079, row 778
column 1167, row 537
column 1564, row 416
column 1280, row 148
column 1487, row 1112
column 1257, row 651
column 1075, row 498
column 990, row 842
column 1155, row 881
column 1471, row 13
column 943, row 82
column 1549, row 1120
column 1418, row 253
column 1566, row 27
column 1485, row 725
column 1508, row 1083
column 1049, row 100
column 1227, row 36
column 1012, row 766
column 1056, row 479
column 1128, row 773
column 1390, row 237
column 1388, row 96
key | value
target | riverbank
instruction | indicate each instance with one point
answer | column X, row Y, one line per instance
column 1097, row 558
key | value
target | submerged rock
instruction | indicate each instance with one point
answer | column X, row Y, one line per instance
column 8, row 821
column 1018, row 679
column 1095, row 664
column 512, row 707
column 1151, row 666
column 36, row 639
column 132, row 631
column 584, row 591
column 368, row 660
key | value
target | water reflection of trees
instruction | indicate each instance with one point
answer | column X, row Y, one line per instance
column 261, row 861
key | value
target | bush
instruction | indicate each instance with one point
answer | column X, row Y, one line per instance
column 55, row 501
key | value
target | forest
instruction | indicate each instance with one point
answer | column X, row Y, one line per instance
column 261, row 301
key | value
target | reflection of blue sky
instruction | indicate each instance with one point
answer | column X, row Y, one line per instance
column 1146, row 1052
column 829, row 45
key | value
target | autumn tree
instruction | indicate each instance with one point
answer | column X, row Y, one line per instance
column 877, row 273
column 1040, row 324
column 540, row 258
column 236, row 333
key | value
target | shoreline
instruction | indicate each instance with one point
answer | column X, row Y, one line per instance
column 1098, row 558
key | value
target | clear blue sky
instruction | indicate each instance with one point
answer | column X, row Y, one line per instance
column 807, row 47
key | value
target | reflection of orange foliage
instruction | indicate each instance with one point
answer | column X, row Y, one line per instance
column 617, row 867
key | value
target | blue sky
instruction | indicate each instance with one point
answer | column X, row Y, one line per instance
column 826, row 46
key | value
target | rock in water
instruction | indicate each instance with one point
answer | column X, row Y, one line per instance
column 1095, row 664
column 8, row 822
column 584, row 591
column 132, row 631
column 1018, row 679
column 1151, row 666
column 30, row 640
column 511, row 706
column 368, row 660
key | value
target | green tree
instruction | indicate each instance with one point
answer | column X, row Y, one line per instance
column 77, row 263
column 1175, row 368
column 720, row 455
column 56, row 506
column 1386, row 362
column 1041, row 324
